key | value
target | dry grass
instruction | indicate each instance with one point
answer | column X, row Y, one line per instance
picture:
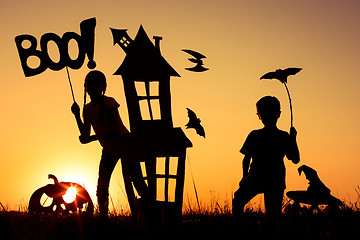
column 214, row 220
column 211, row 220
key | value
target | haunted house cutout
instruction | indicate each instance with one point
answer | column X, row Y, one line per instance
column 146, row 79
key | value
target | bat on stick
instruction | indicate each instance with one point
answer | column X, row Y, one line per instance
column 282, row 76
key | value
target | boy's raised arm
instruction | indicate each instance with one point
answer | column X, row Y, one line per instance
column 293, row 153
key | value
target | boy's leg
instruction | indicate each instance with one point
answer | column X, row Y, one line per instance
column 273, row 205
column 273, row 202
column 248, row 190
column 107, row 164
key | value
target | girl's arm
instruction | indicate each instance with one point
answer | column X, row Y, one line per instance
column 84, row 127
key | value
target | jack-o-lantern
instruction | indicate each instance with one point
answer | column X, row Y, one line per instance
column 80, row 200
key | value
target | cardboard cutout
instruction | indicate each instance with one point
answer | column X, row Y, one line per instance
column 82, row 202
column 316, row 194
column 197, row 59
column 194, row 122
column 146, row 77
column 85, row 43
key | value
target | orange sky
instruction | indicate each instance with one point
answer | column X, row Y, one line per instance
column 241, row 39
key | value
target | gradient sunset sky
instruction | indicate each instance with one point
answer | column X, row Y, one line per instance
column 241, row 39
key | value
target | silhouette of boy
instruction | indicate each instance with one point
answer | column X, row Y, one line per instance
column 265, row 148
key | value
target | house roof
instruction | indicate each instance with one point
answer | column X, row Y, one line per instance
column 144, row 61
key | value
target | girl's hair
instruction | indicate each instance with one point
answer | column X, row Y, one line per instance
column 99, row 77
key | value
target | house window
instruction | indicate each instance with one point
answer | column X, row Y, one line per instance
column 125, row 41
column 166, row 170
column 148, row 96
column 166, row 189
column 143, row 169
column 160, row 165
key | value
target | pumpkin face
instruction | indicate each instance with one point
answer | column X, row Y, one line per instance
column 65, row 197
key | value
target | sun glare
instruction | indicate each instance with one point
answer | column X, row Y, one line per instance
column 70, row 195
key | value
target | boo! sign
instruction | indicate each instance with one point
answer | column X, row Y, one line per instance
column 85, row 42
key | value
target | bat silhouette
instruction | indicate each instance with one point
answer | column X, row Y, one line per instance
column 194, row 122
column 281, row 75
column 197, row 59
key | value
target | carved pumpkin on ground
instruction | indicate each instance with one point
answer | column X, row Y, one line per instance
column 58, row 193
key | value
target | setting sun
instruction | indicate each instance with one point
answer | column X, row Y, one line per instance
column 70, row 195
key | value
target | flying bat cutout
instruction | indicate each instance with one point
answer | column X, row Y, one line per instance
column 194, row 122
column 197, row 59
column 282, row 76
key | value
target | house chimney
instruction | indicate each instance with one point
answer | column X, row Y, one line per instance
column 157, row 42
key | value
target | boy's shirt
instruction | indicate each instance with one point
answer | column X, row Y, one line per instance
column 267, row 148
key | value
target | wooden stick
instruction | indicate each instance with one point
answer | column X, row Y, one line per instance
column 72, row 91
column 291, row 111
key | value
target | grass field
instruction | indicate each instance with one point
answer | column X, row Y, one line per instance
column 212, row 221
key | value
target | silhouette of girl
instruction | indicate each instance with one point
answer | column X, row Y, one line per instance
column 101, row 113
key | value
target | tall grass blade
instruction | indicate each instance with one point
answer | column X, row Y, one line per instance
column 193, row 181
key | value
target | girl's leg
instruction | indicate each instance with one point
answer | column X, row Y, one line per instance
column 107, row 164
